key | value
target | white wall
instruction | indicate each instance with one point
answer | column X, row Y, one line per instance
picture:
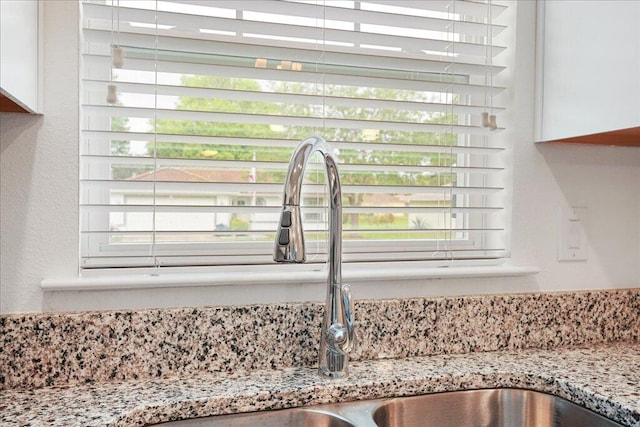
column 39, row 196
column 39, row 172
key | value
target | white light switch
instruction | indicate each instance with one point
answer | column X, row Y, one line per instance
column 572, row 236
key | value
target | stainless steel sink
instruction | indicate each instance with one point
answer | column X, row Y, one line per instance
column 495, row 408
column 486, row 408
column 297, row 417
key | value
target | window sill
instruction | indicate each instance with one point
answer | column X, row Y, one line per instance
column 282, row 275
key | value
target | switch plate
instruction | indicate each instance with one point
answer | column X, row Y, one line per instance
column 572, row 235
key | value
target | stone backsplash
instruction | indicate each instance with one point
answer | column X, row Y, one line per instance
column 46, row 349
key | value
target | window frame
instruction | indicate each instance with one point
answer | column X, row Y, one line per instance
column 469, row 241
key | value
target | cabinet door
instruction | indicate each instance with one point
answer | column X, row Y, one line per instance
column 19, row 53
column 589, row 76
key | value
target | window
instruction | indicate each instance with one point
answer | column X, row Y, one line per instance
column 185, row 144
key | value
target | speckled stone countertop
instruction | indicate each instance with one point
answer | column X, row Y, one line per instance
column 603, row 378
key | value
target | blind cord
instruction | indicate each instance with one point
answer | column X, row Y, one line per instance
column 452, row 70
column 154, row 248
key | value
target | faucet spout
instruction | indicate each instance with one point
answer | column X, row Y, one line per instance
column 338, row 331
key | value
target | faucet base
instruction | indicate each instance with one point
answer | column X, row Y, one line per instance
column 332, row 374
column 333, row 365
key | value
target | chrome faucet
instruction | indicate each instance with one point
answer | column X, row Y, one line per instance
column 338, row 331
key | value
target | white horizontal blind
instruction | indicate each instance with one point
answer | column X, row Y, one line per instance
column 187, row 166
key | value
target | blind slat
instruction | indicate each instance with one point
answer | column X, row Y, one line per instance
column 194, row 51
column 268, row 119
column 242, row 209
column 99, row 135
column 224, row 187
column 287, row 98
column 408, row 81
column 207, row 164
column 271, row 232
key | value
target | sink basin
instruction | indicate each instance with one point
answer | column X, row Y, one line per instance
column 297, row 417
column 492, row 407
column 487, row 408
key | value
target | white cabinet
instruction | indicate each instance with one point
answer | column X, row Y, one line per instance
column 588, row 71
column 19, row 62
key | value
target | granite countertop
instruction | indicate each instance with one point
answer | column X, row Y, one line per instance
column 604, row 378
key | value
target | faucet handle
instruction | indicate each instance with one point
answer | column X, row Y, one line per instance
column 347, row 306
